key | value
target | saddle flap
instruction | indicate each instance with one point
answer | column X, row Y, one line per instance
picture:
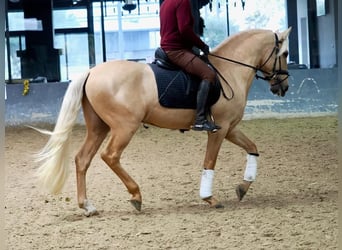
column 179, row 90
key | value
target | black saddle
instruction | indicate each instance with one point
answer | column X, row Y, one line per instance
column 161, row 59
column 176, row 88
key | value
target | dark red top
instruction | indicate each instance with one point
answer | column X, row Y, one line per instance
column 177, row 26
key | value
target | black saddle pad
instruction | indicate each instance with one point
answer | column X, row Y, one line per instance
column 177, row 89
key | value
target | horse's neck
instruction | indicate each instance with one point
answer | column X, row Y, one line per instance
column 246, row 48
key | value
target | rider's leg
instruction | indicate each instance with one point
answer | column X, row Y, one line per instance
column 201, row 121
column 192, row 64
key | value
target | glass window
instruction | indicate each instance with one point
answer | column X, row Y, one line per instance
column 261, row 14
column 16, row 44
column 242, row 15
column 70, row 18
column 132, row 36
column 16, row 21
column 75, row 57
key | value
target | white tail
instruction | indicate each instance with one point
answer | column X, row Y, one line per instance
column 53, row 172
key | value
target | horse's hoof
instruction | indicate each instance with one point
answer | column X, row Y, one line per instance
column 90, row 213
column 240, row 192
column 136, row 204
column 213, row 202
column 218, row 206
column 90, row 210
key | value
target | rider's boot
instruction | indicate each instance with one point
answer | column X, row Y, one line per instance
column 201, row 122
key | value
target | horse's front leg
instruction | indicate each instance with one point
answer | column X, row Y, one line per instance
column 207, row 178
column 240, row 139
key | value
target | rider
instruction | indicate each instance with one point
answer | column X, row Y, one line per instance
column 177, row 40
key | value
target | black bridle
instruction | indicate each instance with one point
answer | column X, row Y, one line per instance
column 273, row 75
column 275, row 72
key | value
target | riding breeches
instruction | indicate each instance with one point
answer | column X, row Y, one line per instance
column 192, row 64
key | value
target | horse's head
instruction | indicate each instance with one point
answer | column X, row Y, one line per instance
column 274, row 67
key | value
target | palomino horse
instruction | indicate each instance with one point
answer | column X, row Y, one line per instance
column 118, row 96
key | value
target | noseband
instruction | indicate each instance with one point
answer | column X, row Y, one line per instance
column 269, row 75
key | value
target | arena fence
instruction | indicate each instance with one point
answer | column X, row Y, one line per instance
column 312, row 92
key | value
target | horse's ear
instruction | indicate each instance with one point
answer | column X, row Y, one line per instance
column 284, row 41
column 285, row 34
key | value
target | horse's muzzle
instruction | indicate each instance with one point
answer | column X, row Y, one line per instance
column 279, row 89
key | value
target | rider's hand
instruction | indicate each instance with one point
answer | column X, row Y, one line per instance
column 205, row 50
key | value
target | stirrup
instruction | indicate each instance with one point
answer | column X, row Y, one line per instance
column 205, row 126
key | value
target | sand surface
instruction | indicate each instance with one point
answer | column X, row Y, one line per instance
column 292, row 205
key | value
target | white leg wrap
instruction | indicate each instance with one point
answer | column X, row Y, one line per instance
column 206, row 183
column 251, row 168
column 89, row 208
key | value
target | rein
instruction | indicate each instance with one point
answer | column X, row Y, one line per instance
column 269, row 76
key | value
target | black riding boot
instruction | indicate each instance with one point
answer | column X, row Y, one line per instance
column 201, row 122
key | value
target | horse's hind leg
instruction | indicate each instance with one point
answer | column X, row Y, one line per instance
column 96, row 133
column 240, row 139
column 120, row 137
